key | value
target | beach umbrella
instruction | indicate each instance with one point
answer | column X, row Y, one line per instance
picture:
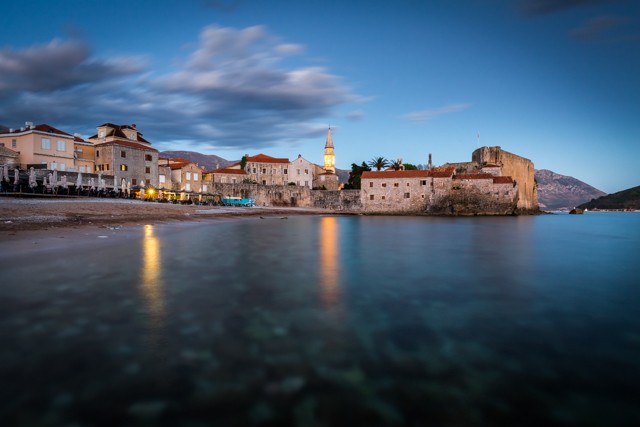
column 32, row 178
column 142, row 183
column 54, row 182
column 5, row 172
column 129, row 187
column 63, row 182
column 92, row 184
column 79, row 181
column 123, row 187
column 99, row 181
column 16, row 176
column 44, row 181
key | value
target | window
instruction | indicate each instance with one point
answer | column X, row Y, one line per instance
column 46, row 144
column 407, row 195
column 233, row 180
column 423, row 182
column 254, row 170
column 264, row 182
column 147, row 170
column 395, row 184
column 306, row 171
column 273, row 171
column 371, row 197
column 195, row 176
column 107, row 166
column 264, row 170
column 383, row 197
column 134, row 181
column 384, row 184
column 285, row 172
column 61, row 145
column 124, row 168
column 54, row 166
column 82, row 169
column 161, row 178
column 187, row 175
column 187, row 187
column 97, row 153
column 371, row 184
column 204, row 188
column 306, row 183
column 407, row 184
column 14, row 143
column 63, row 166
column 298, row 171
column 148, row 157
column 101, row 134
column 223, row 179
column 123, row 154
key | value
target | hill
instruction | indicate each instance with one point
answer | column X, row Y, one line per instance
column 625, row 199
column 206, row 161
column 557, row 191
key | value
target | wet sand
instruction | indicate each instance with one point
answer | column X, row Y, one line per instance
column 27, row 215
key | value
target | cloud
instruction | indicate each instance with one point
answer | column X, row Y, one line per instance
column 232, row 90
column 597, row 27
column 426, row 115
column 355, row 115
column 59, row 65
column 546, row 7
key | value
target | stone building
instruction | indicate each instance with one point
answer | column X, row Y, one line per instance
column 42, row 146
column 8, row 157
column 303, row 173
column 265, row 170
column 122, row 151
column 226, row 176
column 186, row 176
column 84, row 154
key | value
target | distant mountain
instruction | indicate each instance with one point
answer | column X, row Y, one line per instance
column 625, row 199
column 557, row 191
column 206, row 161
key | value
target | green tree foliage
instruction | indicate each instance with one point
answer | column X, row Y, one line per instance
column 243, row 162
column 355, row 176
column 396, row 165
column 378, row 163
column 410, row 167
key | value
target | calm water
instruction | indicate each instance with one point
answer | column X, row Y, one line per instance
column 322, row 321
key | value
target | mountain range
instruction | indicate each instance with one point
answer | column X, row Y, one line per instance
column 625, row 199
column 555, row 191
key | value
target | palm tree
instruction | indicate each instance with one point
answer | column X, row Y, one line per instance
column 397, row 165
column 378, row 163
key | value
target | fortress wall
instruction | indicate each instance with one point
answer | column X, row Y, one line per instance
column 348, row 200
column 519, row 168
column 266, row 195
column 394, row 195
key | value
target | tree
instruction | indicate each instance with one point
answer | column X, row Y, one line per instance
column 378, row 163
column 243, row 162
column 410, row 167
column 355, row 176
column 396, row 165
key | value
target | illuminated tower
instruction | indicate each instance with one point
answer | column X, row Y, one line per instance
column 329, row 157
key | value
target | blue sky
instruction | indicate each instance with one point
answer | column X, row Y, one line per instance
column 556, row 81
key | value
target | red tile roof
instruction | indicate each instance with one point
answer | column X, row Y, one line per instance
column 433, row 173
column 474, row 176
column 42, row 128
column 228, row 171
column 127, row 144
column 502, row 180
column 263, row 158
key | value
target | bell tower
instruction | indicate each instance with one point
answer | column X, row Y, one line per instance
column 329, row 157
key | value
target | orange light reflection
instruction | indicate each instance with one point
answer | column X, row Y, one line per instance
column 329, row 256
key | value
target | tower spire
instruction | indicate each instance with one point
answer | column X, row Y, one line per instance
column 329, row 156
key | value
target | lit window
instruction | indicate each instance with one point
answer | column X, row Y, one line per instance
column 204, row 188
column 62, row 145
column 187, row 186
column 187, row 175
column 46, row 144
column 124, row 168
column 161, row 178
column 195, row 176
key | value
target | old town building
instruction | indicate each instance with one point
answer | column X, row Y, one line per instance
column 41, row 146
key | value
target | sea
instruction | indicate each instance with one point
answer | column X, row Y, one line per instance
column 326, row 321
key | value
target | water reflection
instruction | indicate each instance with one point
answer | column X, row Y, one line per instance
column 151, row 283
column 329, row 260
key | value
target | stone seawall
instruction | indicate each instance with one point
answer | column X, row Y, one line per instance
column 345, row 200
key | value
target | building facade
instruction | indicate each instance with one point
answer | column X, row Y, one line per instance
column 265, row 170
column 41, row 146
column 122, row 151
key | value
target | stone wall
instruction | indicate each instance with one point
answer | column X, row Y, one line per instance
column 519, row 168
column 344, row 200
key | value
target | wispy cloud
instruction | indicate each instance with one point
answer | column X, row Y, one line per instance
column 546, row 7
column 426, row 115
column 232, row 91
column 597, row 27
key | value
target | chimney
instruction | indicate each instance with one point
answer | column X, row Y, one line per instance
column 77, row 135
column 133, row 125
column 430, row 161
column 22, row 129
column 10, row 130
column 29, row 125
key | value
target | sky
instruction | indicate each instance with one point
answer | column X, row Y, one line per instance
column 555, row 81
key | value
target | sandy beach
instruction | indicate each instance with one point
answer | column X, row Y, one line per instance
column 18, row 214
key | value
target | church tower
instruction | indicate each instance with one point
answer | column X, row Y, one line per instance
column 329, row 157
